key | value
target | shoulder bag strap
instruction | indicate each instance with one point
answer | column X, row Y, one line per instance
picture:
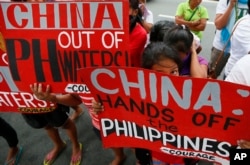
column 222, row 52
column 193, row 13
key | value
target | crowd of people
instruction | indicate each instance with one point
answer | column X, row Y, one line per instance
column 171, row 47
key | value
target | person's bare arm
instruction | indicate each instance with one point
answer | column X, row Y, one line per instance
column 180, row 21
column 221, row 20
column 201, row 26
column 244, row 144
column 65, row 99
column 97, row 107
column 196, row 69
column 147, row 26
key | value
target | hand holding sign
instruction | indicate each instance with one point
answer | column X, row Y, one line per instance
column 244, row 144
column 68, row 99
column 97, row 107
column 40, row 94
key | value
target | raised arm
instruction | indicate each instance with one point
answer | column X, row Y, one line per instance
column 65, row 99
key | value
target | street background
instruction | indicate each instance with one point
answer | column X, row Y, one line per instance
column 36, row 143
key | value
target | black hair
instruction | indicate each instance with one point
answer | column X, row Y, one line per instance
column 159, row 29
column 180, row 37
column 157, row 51
column 134, row 4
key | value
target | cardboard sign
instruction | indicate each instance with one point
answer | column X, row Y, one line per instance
column 48, row 42
column 181, row 116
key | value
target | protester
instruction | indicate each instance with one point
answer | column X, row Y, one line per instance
column 156, row 36
column 227, row 13
column 137, row 38
column 240, row 41
column 181, row 38
column 137, row 41
column 6, row 130
column 147, row 16
column 193, row 15
column 137, row 34
column 159, row 29
column 186, row 44
column 240, row 75
column 78, row 111
column 240, row 71
column 162, row 58
column 10, row 135
column 50, row 121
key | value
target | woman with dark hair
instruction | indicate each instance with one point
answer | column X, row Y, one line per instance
column 181, row 38
column 137, row 34
column 159, row 29
column 162, row 58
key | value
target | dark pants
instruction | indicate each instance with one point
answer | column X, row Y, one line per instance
column 143, row 156
column 8, row 133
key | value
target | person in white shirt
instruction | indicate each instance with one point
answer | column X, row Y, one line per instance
column 227, row 13
column 240, row 72
column 240, row 41
column 240, row 75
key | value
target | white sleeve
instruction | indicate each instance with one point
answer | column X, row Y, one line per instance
column 148, row 16
column 240, row 72
column 222, row 6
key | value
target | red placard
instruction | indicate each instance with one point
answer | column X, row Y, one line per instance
column 48, row 42
column 197, row 118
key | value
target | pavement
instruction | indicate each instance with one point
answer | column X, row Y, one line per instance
column 36, row 144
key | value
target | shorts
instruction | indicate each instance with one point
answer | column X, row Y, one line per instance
column 56, row 118
column 8, row 133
